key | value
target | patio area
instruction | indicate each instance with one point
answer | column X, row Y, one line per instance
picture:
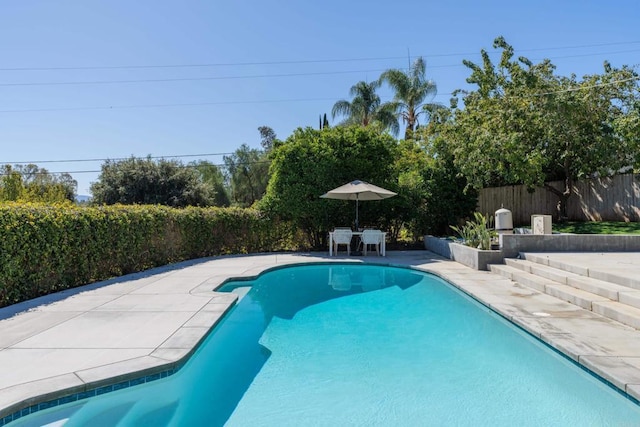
column 147, row 324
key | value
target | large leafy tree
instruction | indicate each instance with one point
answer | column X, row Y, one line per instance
column 212, row 176
column 312, row 162
column 268, row 138
column 34, row 184
column 145, row 181
column 247, row 171
column 525, row 125
column 412, row 89
column 446, row 198
column 366, row 108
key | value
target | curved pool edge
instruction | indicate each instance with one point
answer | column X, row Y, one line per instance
column 514, row 302
column 23, row 399
column 598, row 345
column 174, row 350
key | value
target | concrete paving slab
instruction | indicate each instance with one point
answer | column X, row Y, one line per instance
column 204, row 319
column 119, row 371
column 144, row 302
column 96, row 329
column 27, row 394
column 622, row 372
column 172, row 285
column 122, row 288
column 535, row 305
column 34, row 364
column 171, row 354
column 187, row 337
column 80, row 303
column 28, row 324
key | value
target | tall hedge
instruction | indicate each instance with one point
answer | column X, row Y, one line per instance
column 44, row 249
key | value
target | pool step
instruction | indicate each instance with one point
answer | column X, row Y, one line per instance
column 617, row 302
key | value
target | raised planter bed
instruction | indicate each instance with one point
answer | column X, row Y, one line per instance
column 471, row 257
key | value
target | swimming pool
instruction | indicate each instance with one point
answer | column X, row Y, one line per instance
column 337, row 344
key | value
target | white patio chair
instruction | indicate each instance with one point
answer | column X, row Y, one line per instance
column 342, row 237
column 371, row 237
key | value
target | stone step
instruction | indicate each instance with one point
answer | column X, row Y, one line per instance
column 594, row 272
column 575, row 296
column 524, row 278
column 539, row 269
column 504, row 270
column 619, row 312
column 546, row 259
column 609, row 290
column 616, row 302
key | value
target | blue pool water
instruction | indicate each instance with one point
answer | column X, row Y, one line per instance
column 342, row 345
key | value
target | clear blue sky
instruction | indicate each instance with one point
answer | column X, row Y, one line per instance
column 279, row 64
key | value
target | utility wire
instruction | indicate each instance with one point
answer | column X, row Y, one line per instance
column 260, row 161
column 196, row 104
column 183, row 166
column 189, row 104
column 575, row 89
column 116, row 159
column 291, row 62
column 252, row 76
column 183, row 79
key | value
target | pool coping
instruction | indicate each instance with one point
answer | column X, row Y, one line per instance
column 617, row 362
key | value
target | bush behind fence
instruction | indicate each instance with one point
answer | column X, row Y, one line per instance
column 45, row 249
column 614, row 198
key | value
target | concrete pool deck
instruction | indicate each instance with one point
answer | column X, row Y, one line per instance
column 147, row 324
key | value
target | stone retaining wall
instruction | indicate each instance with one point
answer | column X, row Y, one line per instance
column 511, row 245
column 471, row 257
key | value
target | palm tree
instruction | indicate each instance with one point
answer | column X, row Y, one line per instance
column 411, row 88
column 366, row 108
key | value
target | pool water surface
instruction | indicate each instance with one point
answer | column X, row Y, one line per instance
column 354, row 344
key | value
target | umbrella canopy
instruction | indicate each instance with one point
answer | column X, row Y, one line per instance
column 358, row 190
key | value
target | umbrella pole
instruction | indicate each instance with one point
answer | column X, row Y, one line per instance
column 357, row 251
column 357, row 228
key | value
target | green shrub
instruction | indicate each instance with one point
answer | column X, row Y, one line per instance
column 477, row 233
column 45, row 249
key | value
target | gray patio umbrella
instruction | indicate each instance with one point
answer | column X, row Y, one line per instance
column 358, row 190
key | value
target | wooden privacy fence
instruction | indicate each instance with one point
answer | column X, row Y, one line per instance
column 599, row 199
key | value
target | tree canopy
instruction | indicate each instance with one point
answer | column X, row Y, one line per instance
column 30, row 183
column 247, row 174
column 145, row 181
column 525, row 125
column 366, row 108
column 411, row 89
column 311, row 162
column 212, row 176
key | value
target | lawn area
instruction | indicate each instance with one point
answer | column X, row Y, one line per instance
column 600, row 227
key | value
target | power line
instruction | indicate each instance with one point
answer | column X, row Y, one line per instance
column 291, row 62
column 204, row 65
column 592, row 54
column 183, row 79
column 112, row 107
column 183, row 166
column 189, row 104
column 575, row 89
column 256, row 76
column 197, row 104
column 116, row 159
